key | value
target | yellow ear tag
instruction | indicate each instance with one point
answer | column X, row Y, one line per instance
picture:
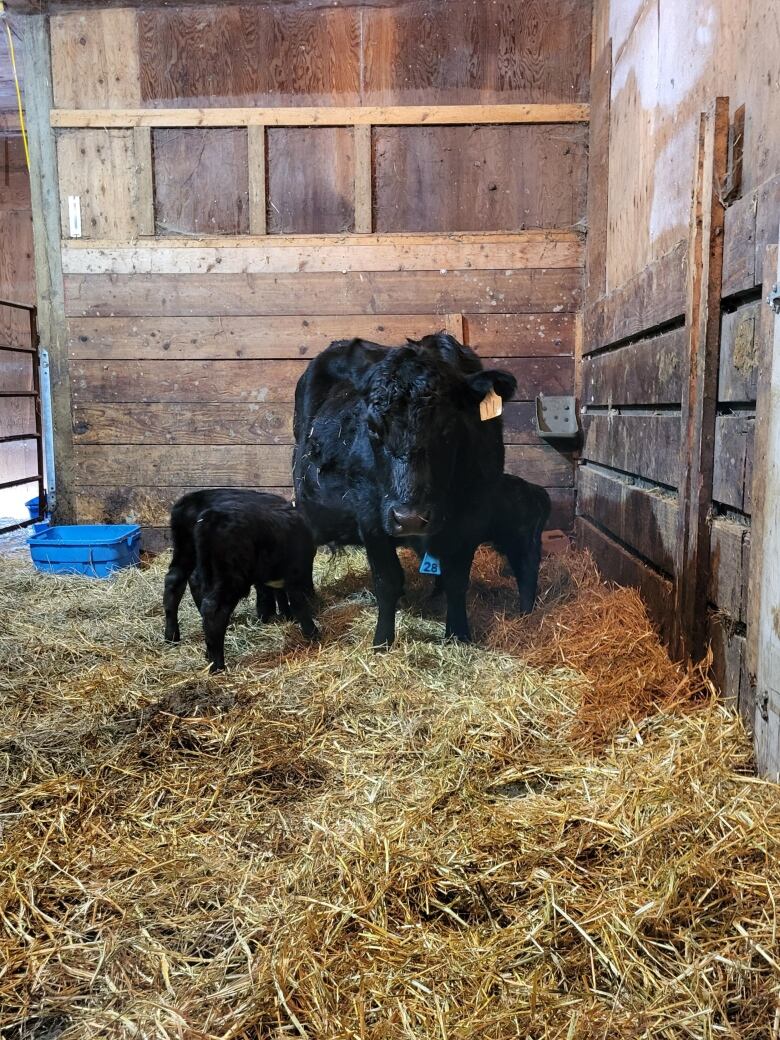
column 491, row 406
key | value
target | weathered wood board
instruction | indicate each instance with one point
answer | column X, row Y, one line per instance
column 645, row 444
column 638, row 516
column 103, row 171
column 489, row 178
column 326, row 253
column 201, row 181
column 646, row 372
column 401, row 292
column 654, row 297
column 732, row 482
column 256, row 381
column 311, row 176
column 738, row 358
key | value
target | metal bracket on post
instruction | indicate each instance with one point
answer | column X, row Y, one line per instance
column 48, row 429
column 773, row 299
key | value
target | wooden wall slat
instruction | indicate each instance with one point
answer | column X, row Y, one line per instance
column 201, row 181
column 729, row 568
column 645, row 519
column 311, row 178
column 102, row 169
column 520, row 335
column 504, row 335
column 95, row 59
column 352, row 293
column 262, row 337
column 204, row 423
column 648, row 445
column 646, row 372
column 732, row 480
column 191, row 423
column 256, row 381
column 330, row 254
column 263, row 465
column 738, row 359
column 227, row 54
column 652, row 298
column 618, row 565
column 489, row 178
column 17, row 273
column 469, row 52
column 598, row 175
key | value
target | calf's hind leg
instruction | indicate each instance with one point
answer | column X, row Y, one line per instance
column 216, row 610
column 300, row 607
column 182, row 565
column 524, row 556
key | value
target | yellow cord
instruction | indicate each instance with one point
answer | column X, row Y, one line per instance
column 16, row 83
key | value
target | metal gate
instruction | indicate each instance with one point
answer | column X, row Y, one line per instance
column 21, row 425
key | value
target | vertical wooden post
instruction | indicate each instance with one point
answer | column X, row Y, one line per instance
column 142, row 148
column 598, row 176
column 453, row 323
column 700, row 389
column 363, row 182
column 767, row 566
column 257, row 185
column 765, row 335
column 45, row 199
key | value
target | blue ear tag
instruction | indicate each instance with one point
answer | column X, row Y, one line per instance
column 430, row 565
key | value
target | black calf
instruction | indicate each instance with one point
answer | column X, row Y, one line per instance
column 224, row 542
column 513, row 520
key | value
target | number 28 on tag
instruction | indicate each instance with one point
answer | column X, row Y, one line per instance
column 430, row 565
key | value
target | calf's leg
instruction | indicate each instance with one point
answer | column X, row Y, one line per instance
column 300, row 606
column 455, row 579
column 524, row 556
column 388, row 585
column 216, row 609
column 182, row 565
column 266, row 603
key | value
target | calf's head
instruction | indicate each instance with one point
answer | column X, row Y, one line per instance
column 421, row 412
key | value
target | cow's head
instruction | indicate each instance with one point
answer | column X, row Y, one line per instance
column 421, row 411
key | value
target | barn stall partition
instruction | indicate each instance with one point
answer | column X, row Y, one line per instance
column 683, row 215
column 232, row 187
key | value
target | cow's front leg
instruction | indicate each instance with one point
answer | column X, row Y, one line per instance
column 455, row 572
column 388, row 578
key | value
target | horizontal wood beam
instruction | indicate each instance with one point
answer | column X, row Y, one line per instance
column 273, row 255
column 369, row 115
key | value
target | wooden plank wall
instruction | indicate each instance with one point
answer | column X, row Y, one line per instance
column 184, row 349
column 637, row 334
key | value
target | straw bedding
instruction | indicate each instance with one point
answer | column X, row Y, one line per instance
column 559, row 835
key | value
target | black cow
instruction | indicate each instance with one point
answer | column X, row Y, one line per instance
column 389, row 449
column 513, row 521
column 224, row 542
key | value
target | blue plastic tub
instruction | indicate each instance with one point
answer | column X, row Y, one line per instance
column 31, row 506
column 96, row 550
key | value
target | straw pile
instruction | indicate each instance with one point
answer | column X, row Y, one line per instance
column 559, row 836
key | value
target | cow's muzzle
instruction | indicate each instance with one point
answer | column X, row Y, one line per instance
column 405, row 520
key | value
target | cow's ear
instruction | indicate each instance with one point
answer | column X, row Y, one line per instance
column 502, row 383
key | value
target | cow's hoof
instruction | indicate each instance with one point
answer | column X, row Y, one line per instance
column 173, row 636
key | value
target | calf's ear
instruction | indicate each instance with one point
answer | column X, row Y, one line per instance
column 502, row 383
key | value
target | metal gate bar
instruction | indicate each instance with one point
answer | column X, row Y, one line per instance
column 35, row 393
